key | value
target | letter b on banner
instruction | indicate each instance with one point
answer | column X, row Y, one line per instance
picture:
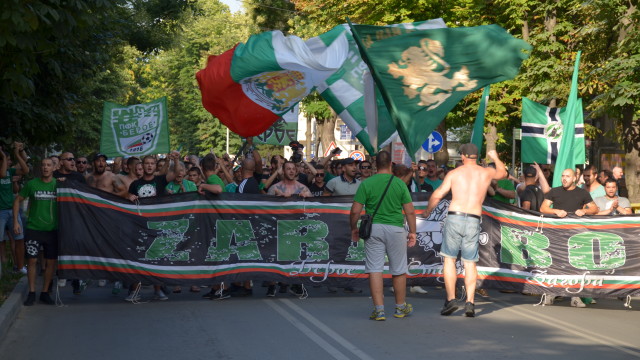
column 524, row 248
column 292, row 234
column 583, row 256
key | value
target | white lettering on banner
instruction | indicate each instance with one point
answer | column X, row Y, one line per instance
column 321, row 269
column 540, row 278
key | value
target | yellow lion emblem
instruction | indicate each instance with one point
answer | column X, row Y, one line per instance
column 423, row 70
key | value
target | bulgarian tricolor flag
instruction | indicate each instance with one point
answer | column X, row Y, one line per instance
column 252, row 85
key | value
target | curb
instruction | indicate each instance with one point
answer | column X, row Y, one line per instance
column 11, row 308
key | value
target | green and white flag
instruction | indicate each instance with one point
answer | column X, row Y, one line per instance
column 135, row 130
column 423, row 74
column 542, row 133
column 478, row 127
column 283, row 131
column 344, row 90
column 566, row 157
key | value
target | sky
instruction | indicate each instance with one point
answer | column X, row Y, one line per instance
column 234, row 5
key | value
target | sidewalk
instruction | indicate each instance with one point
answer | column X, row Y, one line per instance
column 11, row 308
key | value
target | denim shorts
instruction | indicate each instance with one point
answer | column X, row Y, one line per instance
column 6, row 224
column 460, row 234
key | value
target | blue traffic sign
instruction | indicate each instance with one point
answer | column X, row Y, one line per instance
column 433, row 143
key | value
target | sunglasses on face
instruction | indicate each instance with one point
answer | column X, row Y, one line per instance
column 422, row 168
column 319, row 175
column 68, row 159
column 365, row 167
column 81, row 162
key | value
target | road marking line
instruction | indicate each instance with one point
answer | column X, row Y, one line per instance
column 315, row 337
column 568, row 327
column 327, row 330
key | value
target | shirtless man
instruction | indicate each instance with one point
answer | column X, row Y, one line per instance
column 104, row 180
column 468, row 184
column 289, row 186
column 135, row 172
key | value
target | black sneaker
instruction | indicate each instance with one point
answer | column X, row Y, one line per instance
column 449, row 307
column 271, row 291
column 352, row 290
column 46, row 299
column 210, row 295
column 221, row 295
column 31, row 299
column 283, row 288
column 76, row 287
column 296, row 290
column 241, row 291
column 469, row 309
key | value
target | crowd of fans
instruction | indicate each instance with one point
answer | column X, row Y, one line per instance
column 149, row 176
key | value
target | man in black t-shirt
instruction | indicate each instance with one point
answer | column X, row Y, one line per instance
column 67, row 170
column 250, row 179
column 318, row 186
column 568, row 198
column 532, row 196
column 150, row 185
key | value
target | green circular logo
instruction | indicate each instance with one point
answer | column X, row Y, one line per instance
column 553, row 131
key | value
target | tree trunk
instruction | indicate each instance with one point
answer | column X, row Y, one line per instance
column 525, row 28
column 442, row 156
column 327, row 132
column 491, row 137
column 632, row 175
column 550, row 21
column 307, row 136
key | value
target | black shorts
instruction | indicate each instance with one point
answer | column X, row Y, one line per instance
column 47, row 239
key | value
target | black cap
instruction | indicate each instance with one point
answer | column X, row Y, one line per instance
column 348, row 161
column 530, row 172
column 98, row 156
column 469, row 150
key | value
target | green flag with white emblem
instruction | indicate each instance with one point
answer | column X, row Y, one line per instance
column 423, row 74
column 135, row 130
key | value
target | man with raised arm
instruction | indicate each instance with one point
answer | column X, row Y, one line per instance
column 468, row 184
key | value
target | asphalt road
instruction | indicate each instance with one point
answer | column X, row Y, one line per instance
column 98, row 325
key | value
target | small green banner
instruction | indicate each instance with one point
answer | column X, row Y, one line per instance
column 135, row 130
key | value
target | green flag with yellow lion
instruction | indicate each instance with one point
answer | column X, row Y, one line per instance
column 423, row 74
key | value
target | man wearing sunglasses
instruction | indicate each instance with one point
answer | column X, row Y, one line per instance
column 365, row 170
column 81, row 165
column 421, row 176
column 67, row 170
column 318, row 186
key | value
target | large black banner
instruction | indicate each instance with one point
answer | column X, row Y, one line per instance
column 190, row 239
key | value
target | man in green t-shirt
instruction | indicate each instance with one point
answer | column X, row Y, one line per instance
column 41, row 229
column 387, row 233
column 213, row 183
column 180, row 184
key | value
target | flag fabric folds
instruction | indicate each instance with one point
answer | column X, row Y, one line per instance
column 542, row 133
column 478, row 126
column 423, row 74
column 566, row 158
column 135, row 130
column 252, row 85
column 345, row 92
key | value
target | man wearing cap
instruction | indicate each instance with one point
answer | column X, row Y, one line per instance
column 104, row 180
column 532, row 196
column 346, row 183
column 468, row 184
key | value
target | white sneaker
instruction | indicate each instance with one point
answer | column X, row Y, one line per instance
column 62, row 282
column 417, row 290
column 593, row 301
column 102, row 283
column 159, row 295
column 577, row 302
